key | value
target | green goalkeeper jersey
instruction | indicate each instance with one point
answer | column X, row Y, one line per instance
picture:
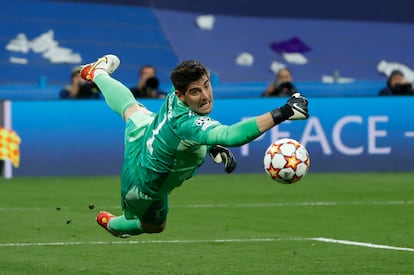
column 165, row 149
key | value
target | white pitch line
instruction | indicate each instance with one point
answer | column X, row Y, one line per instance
column 371, row 245
column 146, row 242
column 131, row 242
column 289, row 204
column 240, row 205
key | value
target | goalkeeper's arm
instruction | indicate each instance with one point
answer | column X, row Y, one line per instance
column 245, row 131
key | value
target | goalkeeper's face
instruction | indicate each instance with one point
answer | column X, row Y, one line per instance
column 198, row 96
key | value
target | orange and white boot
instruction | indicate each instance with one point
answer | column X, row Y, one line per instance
column 103, row 219
column 107, row 63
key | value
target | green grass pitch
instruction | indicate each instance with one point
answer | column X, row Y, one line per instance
column 218, row 224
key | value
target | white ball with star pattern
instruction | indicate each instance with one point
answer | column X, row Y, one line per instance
column 286, row 161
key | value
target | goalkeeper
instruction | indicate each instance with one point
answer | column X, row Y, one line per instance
column 164, row 149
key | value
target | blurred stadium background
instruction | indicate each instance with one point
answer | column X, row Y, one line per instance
column 346, row 38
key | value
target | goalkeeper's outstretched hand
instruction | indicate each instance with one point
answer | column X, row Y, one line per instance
column 295, row 108
column 299, row 106
column 221, row 154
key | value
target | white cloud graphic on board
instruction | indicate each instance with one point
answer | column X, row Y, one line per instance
column 44, row 44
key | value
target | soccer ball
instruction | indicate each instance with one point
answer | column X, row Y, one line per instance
column 286, row 161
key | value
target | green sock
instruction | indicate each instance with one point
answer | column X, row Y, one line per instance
column 121, row 225
column 116, row 94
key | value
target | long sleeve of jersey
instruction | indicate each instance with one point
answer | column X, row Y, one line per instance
column 234, row 135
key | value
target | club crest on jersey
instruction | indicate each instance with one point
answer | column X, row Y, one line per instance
column 204, row 122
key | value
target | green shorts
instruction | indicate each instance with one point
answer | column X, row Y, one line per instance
column 138, row 205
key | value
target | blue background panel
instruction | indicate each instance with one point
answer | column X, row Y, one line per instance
column 342, row 134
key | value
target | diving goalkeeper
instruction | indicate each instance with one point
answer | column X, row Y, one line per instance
column 164, row 149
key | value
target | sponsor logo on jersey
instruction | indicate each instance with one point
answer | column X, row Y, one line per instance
column 204, row 122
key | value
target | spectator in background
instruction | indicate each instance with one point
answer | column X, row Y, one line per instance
column 148, row 84
column 282, row 87
column 397, row 85
column 79, row 88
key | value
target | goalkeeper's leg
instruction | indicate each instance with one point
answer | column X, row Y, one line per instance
column 118, row 97
column 122, row 227
column 142, row 216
